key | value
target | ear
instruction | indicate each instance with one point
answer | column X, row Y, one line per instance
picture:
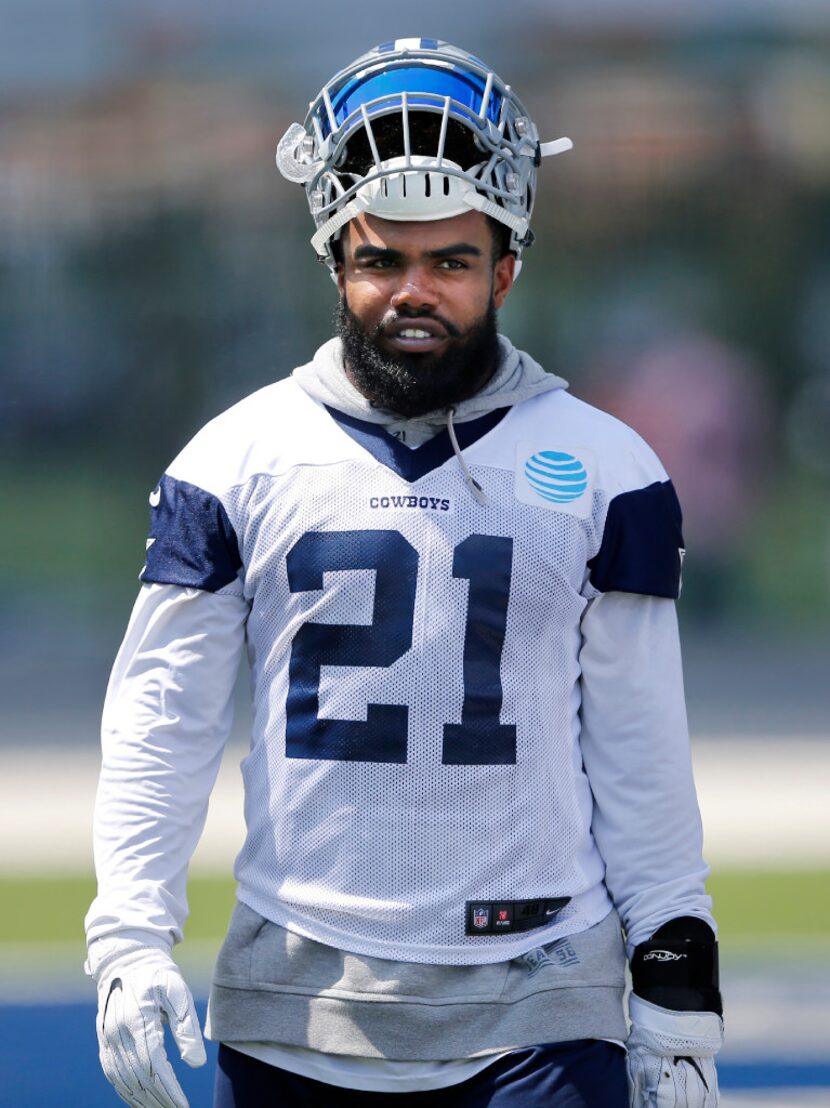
column 504, row 273
column 339, row 276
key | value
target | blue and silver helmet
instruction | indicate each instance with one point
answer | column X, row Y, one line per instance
column 415, row 130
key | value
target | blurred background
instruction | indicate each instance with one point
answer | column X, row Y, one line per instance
column 154, row 268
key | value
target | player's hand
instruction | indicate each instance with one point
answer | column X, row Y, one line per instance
column 671, row 1057
column 140, row 989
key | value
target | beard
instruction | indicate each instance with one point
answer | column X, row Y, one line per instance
column 414, row 384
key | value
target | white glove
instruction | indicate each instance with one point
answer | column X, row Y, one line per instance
column 139, row 989
column 671, row 1056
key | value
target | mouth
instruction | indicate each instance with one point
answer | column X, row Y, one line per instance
column 415, row 336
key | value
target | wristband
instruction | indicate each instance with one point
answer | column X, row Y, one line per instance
column 677, row 967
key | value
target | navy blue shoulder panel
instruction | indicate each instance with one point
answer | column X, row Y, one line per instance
column 641, row 544
column 192, row 541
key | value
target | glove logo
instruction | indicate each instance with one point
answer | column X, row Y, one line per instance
column 662, row 956
column 556, row 477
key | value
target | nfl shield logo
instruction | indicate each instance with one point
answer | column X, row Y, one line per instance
column 481, row 918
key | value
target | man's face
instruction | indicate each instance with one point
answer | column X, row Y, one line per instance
column 417, row 309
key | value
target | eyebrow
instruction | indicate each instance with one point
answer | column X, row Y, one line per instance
column 456, row 248
column 367, row 250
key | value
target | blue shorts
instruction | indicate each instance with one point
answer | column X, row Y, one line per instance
column 585, row 1073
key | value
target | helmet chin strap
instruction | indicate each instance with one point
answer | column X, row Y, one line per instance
column 339, row 220
column 487, row 207
column 558, row 146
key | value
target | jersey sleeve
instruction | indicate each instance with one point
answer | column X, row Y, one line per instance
column 192, row 541
column 635, row 747
column 169, row 703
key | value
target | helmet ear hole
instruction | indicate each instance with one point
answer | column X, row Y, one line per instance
column 446, row 186
column 427, row 186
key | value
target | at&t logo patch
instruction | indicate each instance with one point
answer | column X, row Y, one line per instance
column 559, row 478
column 555, row 476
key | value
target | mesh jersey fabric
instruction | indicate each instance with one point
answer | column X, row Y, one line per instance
column 415, row 660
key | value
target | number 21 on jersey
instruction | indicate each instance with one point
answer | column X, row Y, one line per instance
column 485, row 561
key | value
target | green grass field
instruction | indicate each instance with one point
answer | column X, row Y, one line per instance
column 751, row 907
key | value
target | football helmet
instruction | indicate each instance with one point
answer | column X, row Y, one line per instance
column 415, row 129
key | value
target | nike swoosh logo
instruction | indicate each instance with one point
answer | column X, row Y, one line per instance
column 155, row 498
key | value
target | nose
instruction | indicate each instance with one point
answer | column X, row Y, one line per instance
column 417, row 291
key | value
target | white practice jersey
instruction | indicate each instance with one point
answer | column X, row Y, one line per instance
column 415, row 788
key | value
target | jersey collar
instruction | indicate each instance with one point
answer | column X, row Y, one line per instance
column 411, row 465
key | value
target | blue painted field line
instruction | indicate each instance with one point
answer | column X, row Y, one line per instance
column 49, row 1059
column 774, row 1075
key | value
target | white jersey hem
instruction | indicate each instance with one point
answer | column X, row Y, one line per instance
column 583, row 912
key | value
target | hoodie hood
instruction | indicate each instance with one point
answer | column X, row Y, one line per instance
column 518, row 377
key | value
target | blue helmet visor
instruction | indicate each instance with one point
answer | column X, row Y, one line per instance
column 425, row 86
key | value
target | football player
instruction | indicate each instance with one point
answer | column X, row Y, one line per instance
column 468, row 795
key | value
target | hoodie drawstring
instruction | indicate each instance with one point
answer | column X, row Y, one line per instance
column 473, row 485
